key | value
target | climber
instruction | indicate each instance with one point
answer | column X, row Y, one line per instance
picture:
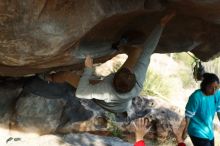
column 116, row 91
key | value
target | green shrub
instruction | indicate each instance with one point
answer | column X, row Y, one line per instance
column 185, row 73
column 156, row 84
column 213, row 66
column 112, row 125
column 187, row 79
column 183, row 58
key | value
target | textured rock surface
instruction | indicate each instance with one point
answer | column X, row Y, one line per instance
column 37, row 112
column 10, row 91
column 38, row 36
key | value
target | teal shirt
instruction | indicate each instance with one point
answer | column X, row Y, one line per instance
column 201, row 110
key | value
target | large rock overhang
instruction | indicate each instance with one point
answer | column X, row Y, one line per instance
column 45, row 35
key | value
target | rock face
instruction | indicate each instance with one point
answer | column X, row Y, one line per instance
column 35, row 113
column 45, row 35
column 33, row 110
column 10, row 90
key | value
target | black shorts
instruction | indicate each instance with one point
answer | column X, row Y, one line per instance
column 202, row 141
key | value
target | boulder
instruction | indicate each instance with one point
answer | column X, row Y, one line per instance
column 10, row 90
column 53, row 108
column 52, row 35
column 38, row 114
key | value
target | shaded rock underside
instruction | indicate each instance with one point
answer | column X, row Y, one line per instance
column 45, row 35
